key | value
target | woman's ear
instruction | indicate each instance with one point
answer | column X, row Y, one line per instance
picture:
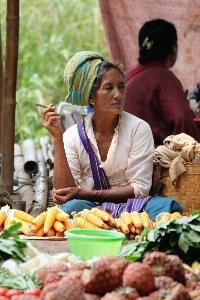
column 91, row 101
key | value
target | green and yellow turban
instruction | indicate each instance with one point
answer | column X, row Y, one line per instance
column 79, row 75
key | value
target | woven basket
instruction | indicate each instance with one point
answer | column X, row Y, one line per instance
column 187, row 189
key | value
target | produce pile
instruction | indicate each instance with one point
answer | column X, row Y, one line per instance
column 52, row 222
column 158, row 276
column 131, row 224
column 154, row 267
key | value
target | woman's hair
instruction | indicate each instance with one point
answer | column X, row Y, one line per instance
column 105, row 66
column 156, row 40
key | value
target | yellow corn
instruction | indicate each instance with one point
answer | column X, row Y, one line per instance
column 82, row 223
column 90, row 217
column 40, row 231
column 139, row 230
column 122, row 226
column 7, row 222
column 103, row 215
column 125, row 216
column 165, row 217
column 25, row 227
column 175, row 216
column 51, row 232
column 136, row 219
column 33, row 228
column 22, row 215
column 2, row 216
column 68, row 223
column 147, row 223
column 61, row 216
column 131, row 236
column 58, row 226
column 60, row 234
column 111, row 221
column 50, row 218
column 39, row 220
column 132, row 228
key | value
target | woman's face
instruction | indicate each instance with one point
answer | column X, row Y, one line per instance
column 111, row 93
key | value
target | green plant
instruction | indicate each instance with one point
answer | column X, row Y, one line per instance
column 50, row 33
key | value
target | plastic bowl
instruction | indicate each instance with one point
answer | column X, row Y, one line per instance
column 86, row 244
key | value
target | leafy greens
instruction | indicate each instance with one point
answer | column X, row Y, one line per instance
column 180, row 237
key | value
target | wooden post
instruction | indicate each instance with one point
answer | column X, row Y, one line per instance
column 1, row 92
column 9, row 100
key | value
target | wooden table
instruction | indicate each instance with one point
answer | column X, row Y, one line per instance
column 50, row 245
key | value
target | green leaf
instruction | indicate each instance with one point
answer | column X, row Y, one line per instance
column 194, row 227
column 182, row 243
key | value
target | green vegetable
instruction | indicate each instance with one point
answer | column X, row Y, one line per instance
column 20, row 281
column 180, row 237
column 11, row 246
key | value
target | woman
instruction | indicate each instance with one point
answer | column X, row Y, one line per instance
column 154, row 93
column 106, row 159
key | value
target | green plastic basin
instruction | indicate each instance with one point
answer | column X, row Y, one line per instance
column 86, row 243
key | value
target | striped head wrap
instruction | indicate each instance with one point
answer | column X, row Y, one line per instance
column 79, row 75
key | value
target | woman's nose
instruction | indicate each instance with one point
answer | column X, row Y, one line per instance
column 117, row 93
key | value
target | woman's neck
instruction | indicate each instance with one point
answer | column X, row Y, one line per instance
column 105, row 125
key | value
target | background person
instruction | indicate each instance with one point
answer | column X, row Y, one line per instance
column 106, row 159
column 154, row 93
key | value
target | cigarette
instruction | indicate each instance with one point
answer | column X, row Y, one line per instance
column 41, row 105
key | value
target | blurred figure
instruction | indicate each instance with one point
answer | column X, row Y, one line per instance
column 154, row 93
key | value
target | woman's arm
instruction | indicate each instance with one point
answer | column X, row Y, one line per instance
column 62, row 176
column 115, row 195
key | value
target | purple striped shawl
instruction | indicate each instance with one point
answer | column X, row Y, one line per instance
column 101, row 181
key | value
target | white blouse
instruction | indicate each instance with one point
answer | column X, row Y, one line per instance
column 129, row 159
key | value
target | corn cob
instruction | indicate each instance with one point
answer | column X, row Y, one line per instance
column 25, row 227
column 50, row 218
column 125, row 216
column 175, row 216
column 58, row 226
column 68, row 223
column 136, row 219
column 103, row 215
column 90, row 217
column 137, row 237
column 2, row 216
column 132, row 228
column 61, row 216
column 22, row 215
column 40, row 231
column 122, row 226
column 165, row 217
column 82, row 223
column 147, row 223
column 51, row 232
column 59, row 234
column 139, row 230
column 33, row 228
column 131, row 236
column 7, row 222
column 39, row 220
column 111, row 221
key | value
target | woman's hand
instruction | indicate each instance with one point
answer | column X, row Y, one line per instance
column 61, row 196
column 51, row 121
